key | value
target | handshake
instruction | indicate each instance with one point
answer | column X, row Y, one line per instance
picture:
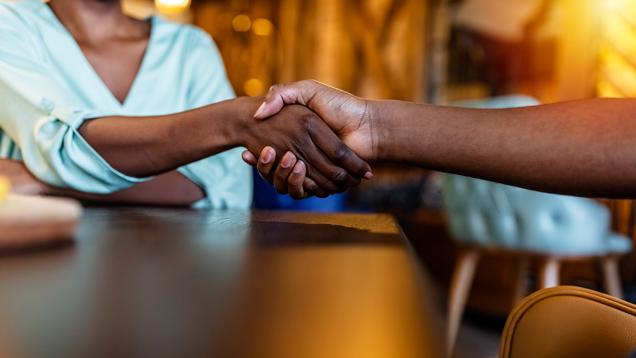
column 318, row 139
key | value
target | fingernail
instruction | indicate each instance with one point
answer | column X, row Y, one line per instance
column 368, row 175
column 269, row 155
column 287, row 160
column 299, row 167
column 260, row 110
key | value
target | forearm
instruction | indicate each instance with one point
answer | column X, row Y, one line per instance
column 171, row 188
column 580, row 148
column 144, row 146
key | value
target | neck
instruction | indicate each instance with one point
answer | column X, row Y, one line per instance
column 91, row 20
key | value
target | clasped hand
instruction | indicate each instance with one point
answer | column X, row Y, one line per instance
column 328, row 137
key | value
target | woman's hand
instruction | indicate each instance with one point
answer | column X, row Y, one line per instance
column 311, row 142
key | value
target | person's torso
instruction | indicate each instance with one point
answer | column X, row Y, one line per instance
column 161, row 86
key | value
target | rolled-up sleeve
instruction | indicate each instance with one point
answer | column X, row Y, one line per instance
column 226, row 179
column 37, row 112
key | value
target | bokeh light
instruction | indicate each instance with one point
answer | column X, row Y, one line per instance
column 253, row 87
column 262, row 27
column 241, row 23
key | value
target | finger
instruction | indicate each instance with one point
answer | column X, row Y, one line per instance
column 266, row 163
column 249, row 158
column 320, row 160
column 283, row 170
column 325, row 185
column 310, row 186
column 291, row 93
column 312, row 189
column 341, row 154
column 296, row 180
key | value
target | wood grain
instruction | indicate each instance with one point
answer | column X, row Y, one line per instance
column 185, row 283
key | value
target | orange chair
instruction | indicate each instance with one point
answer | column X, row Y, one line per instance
column 569, row 322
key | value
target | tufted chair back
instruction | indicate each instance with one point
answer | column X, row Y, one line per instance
column 495, row 215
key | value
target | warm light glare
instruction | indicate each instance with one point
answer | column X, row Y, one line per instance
column 622, row 36
column 606, row 89
column 619, row 72
column 241, row 23
column 262, row 27
column 253, row 87
column 617, row 5
column 617, row 60
column 172, row 7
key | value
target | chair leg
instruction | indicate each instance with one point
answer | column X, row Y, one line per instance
column 521, row 291
column 611, row 276
column 549, row 272
column 459, row 289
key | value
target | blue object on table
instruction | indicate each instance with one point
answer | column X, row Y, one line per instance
column 266, row 197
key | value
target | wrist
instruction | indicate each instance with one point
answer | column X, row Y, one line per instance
column 242, row 124
column 379, row 128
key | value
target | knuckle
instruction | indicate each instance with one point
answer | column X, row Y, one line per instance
column 329, row 186
column 340, row 177
column 340, row 154
column 306, row 119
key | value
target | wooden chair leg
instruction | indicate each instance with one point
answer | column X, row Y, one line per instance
column 549, row 272
column 521, row 290
column 459, row 289
column 611, row 276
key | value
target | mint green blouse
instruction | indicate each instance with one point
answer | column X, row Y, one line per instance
column 48, row 88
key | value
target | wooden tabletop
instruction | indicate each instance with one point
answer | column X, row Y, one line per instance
column 154, row 282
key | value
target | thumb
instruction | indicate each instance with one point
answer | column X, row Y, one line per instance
column 292, row 93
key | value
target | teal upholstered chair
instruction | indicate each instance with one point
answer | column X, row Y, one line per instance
column 550, row 228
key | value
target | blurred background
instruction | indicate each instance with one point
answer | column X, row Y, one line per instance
column 435, row 51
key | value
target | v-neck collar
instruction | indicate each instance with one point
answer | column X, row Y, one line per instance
column 90, row 69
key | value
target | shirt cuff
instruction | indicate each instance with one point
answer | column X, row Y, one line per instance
column 74, row 162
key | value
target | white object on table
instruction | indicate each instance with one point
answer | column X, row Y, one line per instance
column 34, row 220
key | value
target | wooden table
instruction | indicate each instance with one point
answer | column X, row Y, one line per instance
column 152, row 282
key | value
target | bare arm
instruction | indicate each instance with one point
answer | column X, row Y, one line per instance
column 171, row 188
column 144, row 146
column 585, row 148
